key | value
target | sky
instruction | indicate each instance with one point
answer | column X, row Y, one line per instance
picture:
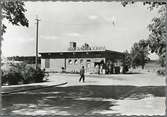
column 106, row 24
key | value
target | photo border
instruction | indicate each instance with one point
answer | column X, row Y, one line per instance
column 1, row 38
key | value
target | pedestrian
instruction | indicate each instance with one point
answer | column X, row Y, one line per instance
column 82, row 74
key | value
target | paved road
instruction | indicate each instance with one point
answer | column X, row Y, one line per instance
column 100, row 95
column 142, row 79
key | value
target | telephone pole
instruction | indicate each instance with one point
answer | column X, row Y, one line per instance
column 36, row 59
column 0, row 58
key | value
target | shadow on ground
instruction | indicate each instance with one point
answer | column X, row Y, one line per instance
column 74, row 100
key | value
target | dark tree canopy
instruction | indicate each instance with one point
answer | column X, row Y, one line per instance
column 156, row 42
column 14, row 12
column 152, row 4
column 158, row 35
column 127, row 61
column 85, row 46
column 139, row 53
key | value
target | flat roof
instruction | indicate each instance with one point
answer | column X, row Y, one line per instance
column 80, row 51
column 82, row 54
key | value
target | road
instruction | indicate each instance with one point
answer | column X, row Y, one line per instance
column 131, row 94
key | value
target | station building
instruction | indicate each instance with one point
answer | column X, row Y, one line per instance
column 97, row 60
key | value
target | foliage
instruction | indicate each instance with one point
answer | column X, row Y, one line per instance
column 158, row 35
column 20, row 72
column 127, row 61
column 139, row 53
column 11, row 77
column 38, row 75
column 25, row 59
column 85, row 46
column 152, row 4
column 162, row 72
column 14, row 12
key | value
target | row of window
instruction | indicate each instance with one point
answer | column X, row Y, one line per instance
column 70, row 61
column 76, row 61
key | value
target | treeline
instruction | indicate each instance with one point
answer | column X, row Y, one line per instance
column 25, row 59
column 156, row 43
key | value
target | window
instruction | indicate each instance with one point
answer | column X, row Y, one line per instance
column 75, row 62
column 88, row 60
column 81, row 61
column 47, row 63
column 70, row 61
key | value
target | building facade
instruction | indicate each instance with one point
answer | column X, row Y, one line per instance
column 94, row 61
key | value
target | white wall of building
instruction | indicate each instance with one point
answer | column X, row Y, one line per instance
column 42, row 63
column 72, row 64
column 57, row 64
column 75, row 64
column 54, row 64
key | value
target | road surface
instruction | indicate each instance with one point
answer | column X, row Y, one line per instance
column 131, row 94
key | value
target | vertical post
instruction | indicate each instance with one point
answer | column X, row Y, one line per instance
column 65, row 64
column 166, row 56
column 0, row 57
column 36, row 59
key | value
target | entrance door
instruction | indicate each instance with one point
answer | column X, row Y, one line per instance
column 88, row 66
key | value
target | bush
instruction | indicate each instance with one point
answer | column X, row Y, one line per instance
column 22, row 73
column 28, row 75
column 39, row 75
column 13, row 78
column 162, row 72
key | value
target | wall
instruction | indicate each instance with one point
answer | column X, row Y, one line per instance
column 72, row 64
column 75, row 64
column 54, row 64
column 42, row 63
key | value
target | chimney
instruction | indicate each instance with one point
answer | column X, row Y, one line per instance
column 73, row 46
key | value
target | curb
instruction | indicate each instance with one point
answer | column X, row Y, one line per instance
column 33, row 88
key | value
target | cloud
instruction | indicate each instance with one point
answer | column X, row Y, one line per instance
column 73, row 34
column 23, row 40
column 110, row 19
column 49, row 37
column 93, row 17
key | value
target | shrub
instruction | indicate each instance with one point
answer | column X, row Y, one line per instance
column 162, row 72
column 28, row 75
column 11, row 78
column 39, row 75
column 22, row 73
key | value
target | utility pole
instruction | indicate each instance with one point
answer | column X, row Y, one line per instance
column 0, row 57
column 36, row 59
column 166, row 54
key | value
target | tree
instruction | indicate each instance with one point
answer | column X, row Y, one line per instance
column 152, row 4
column 127, row 61
column 139, row 53
column 85, row 46
column 14, row 12
column 158, row 35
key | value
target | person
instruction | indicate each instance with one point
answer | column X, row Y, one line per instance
column 82, row 74
column 98, row 69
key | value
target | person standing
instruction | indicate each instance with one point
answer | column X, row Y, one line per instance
column 82, row 74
